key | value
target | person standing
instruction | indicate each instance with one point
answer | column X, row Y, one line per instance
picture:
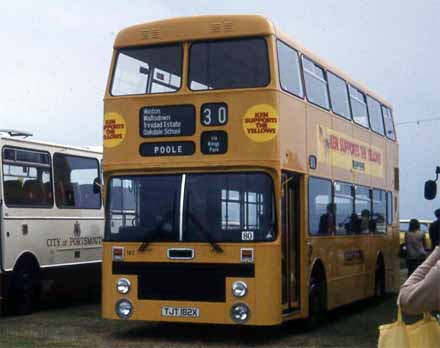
column 420, row 293
column 415, row 246
column 434, row 230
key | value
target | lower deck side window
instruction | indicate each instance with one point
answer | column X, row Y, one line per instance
column 344, row 208
column 379, row 216
column 27, row 180
column 321, row 207
column 76, row 179
column 390, row 216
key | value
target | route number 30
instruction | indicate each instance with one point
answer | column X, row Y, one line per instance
column 214, row 114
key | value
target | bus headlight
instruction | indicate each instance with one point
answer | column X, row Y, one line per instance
column 123, row 286
column 240, row 313
column 239, row 289
column 124, row 308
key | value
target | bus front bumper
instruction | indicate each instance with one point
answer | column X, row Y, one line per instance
column 245, row 310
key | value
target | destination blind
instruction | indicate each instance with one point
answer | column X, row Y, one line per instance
column 167, row 121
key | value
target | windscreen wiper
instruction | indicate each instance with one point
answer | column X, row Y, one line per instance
column 146, row 243
column 217, row 248
column 153, row 232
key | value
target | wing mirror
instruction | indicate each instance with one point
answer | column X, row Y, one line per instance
column 97, row 185
column 431, row 186
column 430, row 189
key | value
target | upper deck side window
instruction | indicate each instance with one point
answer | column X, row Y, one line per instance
column 289, row 69
column 316, row 83
column 147, row 70
column 375, row 115
column 339, row 95
column 228, row 64
column 388, row 123
column 358, row 106
column 27, row 179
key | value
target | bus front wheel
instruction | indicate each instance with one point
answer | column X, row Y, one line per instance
column 25, row 287
column 317, row 303
column 379, row 280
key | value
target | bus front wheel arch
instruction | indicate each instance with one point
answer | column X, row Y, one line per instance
column 317, row 296
column 25, row 284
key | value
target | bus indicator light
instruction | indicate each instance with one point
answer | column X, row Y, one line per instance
column 313, row 162
column 247, row 255
column 118, row 253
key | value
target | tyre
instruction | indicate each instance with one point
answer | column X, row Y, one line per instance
column 379, row 281
column 24, row 288
column 317, row 303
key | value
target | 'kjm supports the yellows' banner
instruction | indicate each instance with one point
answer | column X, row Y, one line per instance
column 343, row 151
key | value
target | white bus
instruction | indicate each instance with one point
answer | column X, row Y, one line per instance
column 51, row 218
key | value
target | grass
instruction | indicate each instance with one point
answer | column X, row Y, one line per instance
column 77, row 324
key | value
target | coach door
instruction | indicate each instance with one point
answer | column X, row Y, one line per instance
column 290, row 242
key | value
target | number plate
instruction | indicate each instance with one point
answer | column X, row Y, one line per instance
column 185, row 312
column 249, row 235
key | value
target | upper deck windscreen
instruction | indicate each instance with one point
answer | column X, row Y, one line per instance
column 227, row 64
column 148, row 70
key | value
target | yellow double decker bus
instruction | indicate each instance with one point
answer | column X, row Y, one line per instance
column 246, row 181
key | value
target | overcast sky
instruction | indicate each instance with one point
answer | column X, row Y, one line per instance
column 56, row 54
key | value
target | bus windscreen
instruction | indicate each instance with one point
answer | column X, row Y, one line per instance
column 226, row 207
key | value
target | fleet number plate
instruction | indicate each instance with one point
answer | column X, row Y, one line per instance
column 180, row 312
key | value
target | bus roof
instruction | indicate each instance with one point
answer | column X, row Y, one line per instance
column 217, row 27
column 194, row 28
column 97, row 150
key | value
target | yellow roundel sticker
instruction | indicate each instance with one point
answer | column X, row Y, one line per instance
column 260, row 123
column 115, row 129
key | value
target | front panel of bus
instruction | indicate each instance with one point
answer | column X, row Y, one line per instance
column 192, row 184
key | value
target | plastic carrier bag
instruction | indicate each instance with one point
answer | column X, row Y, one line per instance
column 423, row 334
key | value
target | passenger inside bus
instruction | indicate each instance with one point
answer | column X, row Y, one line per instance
column 34, row 191
column 27, row 185
column 353, row 225
column 13, row 191
column 327, row 222
column 365, row 221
